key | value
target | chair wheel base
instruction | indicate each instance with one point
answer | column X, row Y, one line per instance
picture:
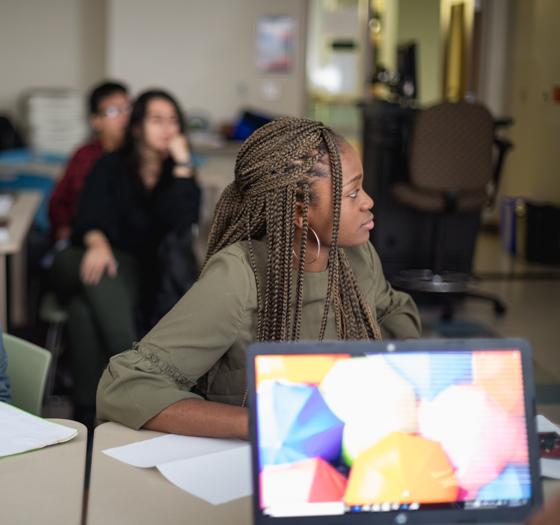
column 427, row 281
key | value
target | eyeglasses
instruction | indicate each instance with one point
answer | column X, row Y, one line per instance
column 113, row 111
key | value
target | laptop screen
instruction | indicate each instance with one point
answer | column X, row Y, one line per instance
column 403, row 431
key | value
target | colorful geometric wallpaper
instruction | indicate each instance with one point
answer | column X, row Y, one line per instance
column 429, row 427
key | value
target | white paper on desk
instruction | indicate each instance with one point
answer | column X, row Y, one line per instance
column 4, row 235
column 216, row 478
column 22, row 432
column 6, row 200
column 550, row 468
column 165, row 449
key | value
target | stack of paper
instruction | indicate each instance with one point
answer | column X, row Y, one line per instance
column 216, row 470
column 6, row 201
column 22, row 432
column 56, row 120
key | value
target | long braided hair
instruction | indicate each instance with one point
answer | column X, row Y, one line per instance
column 275, row 168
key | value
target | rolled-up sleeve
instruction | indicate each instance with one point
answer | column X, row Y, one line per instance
column 165, row 366
column 397, row 314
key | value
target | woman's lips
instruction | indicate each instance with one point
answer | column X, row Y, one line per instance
column 368, row 225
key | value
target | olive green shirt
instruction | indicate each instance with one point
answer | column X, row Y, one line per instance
column 198, row 348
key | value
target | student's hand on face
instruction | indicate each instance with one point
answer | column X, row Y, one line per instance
column 179, row 149
column 548, row 515
column 95, row 261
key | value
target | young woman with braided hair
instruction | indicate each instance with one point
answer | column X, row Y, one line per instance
column 288, row 259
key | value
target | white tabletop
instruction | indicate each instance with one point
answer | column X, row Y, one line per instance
column 20, row 216
column 45, row 486
column 120, row 493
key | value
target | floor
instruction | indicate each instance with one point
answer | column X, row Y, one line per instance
column 532, row 295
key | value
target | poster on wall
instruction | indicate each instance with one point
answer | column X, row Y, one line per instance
column 276, row 43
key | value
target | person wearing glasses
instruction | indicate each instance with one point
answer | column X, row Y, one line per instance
column 109, row 111
column 133, row 202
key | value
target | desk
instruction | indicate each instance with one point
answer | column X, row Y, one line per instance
column 45, row 486
column 20, row 216
column 213, row 176
column 16, row 162
column 120, row 493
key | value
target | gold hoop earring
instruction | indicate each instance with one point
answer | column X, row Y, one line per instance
column 318, row 247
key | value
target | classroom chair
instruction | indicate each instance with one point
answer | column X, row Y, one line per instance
column 56, row 316
column 455, row 164
column 28, row 368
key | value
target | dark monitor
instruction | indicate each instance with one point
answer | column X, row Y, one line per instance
column 406, row 65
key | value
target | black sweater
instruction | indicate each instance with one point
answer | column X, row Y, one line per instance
column 115, row 201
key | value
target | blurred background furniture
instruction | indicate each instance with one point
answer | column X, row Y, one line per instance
column 28, row 368
column 402, row 235
column 55, row 316
column 18, row 222
column 454, row 169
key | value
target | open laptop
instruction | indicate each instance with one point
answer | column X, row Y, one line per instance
column 400, row 432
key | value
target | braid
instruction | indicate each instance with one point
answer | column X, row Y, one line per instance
column 275, row 167
column 301, row 265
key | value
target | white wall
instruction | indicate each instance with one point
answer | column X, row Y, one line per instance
column 49, row 43
column 419, row 21
column 203, row 51
column 495, row 67
column 533, row 168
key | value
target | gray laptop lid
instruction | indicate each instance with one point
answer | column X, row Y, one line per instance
column 436, row 431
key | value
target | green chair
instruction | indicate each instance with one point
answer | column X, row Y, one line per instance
column 28, row 368
column 56, row 316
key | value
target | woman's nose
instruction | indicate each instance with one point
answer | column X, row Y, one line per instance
column 367, row 203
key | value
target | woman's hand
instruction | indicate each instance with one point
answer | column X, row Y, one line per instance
column 98, row 257
column 180, row 153
column 179, row 149
column 548, row 515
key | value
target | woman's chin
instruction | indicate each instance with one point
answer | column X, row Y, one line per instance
column 361, row 238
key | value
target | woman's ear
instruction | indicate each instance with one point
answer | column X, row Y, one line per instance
column 299, row 215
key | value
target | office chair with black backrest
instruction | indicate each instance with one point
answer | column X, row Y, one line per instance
column 452, row 169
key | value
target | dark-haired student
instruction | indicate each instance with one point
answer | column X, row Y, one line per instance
column 132, row 199
column 109, row 110
column 288, row 258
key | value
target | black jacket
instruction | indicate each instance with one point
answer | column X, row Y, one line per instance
column 154, row 226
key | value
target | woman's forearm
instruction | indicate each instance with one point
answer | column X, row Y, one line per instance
column 196, row 417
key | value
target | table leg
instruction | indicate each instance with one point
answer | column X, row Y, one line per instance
column 18, row 288
column 3, row 298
